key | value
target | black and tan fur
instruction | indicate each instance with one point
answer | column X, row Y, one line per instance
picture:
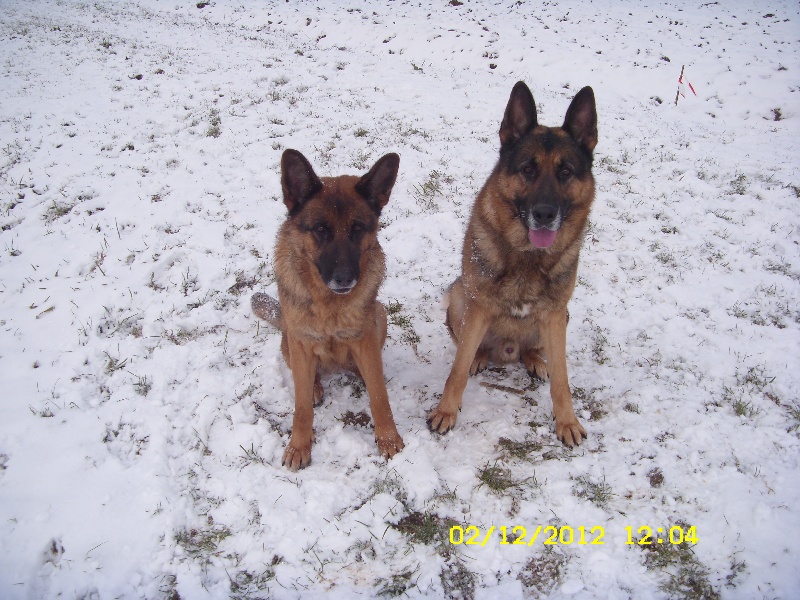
column 329, row 266
column 520, row 256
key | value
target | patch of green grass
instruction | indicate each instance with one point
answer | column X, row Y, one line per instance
column 214, row 122
column 596, row 492
column 56, row 211
column 114, row 364
column 686, row 576
column 744, row 409
column 130, row 325
column 457, row 580
column 667, row 258
column 397, row 585
column 446, row 496
column 755, row 377
column 361, row 160
column 519, row 450
column 429, row 529
column 782, row 268
column 390, row 484
column 751, row 383
column 251, row 586
column 202, row 542
column 499, row 479
column 394, row 312
column 426, row 528
column 393, row 308
column 739, row 185
column 426, row 192
column 250, row 455
column 142, row 385
column 45, row 413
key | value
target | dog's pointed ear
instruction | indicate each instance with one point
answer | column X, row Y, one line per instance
column 520, row 115
column 581, row 119
column 376, row 186
column 298, row 180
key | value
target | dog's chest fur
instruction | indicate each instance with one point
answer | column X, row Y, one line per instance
column 520, row 284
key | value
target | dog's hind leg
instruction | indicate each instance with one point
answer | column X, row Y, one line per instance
column 534, row 363
column 319, row 391
column 480, row 362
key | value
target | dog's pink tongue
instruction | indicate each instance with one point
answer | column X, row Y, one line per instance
column 542, row 238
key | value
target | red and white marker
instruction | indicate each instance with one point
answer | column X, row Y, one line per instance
column 681, row 93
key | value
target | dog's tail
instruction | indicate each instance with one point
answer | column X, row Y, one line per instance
column 266, row 307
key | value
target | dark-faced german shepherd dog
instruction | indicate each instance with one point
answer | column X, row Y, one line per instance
column 520, row 256
column 329, row 266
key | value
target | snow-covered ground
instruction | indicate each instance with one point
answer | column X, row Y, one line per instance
column 144, row 410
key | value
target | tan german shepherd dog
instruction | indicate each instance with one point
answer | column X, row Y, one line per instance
column 520, row 256
column 329, row 266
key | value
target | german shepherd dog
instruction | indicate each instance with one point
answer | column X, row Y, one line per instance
column 329, row 266
column 520, row 256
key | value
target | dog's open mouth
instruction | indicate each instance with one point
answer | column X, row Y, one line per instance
column 542, row 237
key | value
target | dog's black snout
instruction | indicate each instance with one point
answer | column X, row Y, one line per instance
column 338, row 266
column 544, row 214
column 344, row 278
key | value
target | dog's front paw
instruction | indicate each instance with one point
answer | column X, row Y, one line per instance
column 441, row 420
column 571, row 432
column 389, row 443
column 297, row 455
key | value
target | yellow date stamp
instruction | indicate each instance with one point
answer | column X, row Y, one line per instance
column 550, row 535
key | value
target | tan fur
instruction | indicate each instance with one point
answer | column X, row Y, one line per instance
column 510, row 302
column 324, row 331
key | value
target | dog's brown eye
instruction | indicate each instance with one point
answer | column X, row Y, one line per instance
column 356, row 231
column 565, row 172
column 528, row 169
column 320, row 230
